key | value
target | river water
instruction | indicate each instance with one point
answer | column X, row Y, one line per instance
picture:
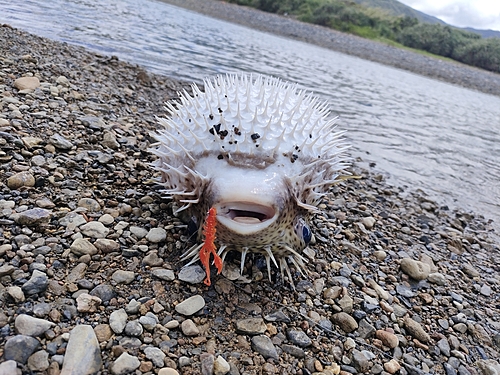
column 425, row 134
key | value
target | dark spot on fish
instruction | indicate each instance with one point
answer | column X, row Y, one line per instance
column 310, row 135
column 216, row 128
column 220, row 157
column 294, row 157
column 211, row 117
column 222, row 133
column 256, row 145
column 255, row 136
column 220, row 110
column 235, row 142
column 189, row 120
column 237, row 131
column 296, row 148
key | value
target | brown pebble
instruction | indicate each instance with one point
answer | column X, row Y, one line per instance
column 388, row 339
column 20, row 179
column 26, row 83
column 346, row 322
column 392, row 366
column 416, row 330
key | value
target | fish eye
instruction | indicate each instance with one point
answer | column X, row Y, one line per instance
column 306, row 234
column 303, row 231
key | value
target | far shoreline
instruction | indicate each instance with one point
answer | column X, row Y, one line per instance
column 451, row 72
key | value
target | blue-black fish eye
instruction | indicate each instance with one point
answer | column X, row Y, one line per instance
column 306, row 234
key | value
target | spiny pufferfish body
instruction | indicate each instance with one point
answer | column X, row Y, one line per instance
column 259, row 150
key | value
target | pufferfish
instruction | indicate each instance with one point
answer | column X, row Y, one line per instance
column 252, row 157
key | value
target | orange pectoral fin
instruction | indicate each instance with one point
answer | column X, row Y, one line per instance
column 208, row 247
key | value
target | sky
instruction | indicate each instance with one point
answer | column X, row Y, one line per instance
column 479, row 14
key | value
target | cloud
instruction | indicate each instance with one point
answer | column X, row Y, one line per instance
column 481, row 14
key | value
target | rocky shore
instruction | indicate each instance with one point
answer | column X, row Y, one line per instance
column 444, row 70
column 90, row 280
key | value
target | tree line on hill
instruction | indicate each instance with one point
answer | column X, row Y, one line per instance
column 344, row 15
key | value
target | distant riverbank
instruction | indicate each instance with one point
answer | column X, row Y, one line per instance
column 447, row 71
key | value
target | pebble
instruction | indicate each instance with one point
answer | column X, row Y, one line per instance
column 189, row 328
column 82, row 246
column 388, row 339
column 118, row 320
column 133, row 328
column 416, row 330
column 123, row 277
column 34, row 217
column 163, row 274
column 298, row 338
column 27, row 83
column 152, row 260
column 19, row 348
column 89, row 204
column 60, row 142
column 107, row 219
column 9, row 368
column 103, row 332
column 106, row 245
column 392, row 366
column 87, row 303
column 192, row 274
column 345, row 321
column 485, row 290
column 139, row 232
column 94, row 229
column 264, row 346
column 207, row 363
column 155, row 355
column 30, row 326
column 148, row 321
column 156, row 235
column 368, row 222
column 37, row 283
column 221, row 367
column 359, row 361
column 437, row 278
column 16, row 293
column 133, row 307
column 415, row 269
column 251, row 326
column 191, row 305
column 444, row 347
column 39, row 361
column 124, row 364
column 104, row 292
column 168, row 371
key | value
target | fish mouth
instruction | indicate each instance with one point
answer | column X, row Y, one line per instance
column 245, row 217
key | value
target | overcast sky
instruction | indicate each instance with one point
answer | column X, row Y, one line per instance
column 480, row 14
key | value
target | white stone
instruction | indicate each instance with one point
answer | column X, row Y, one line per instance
column 30, row 326
column 191, row 305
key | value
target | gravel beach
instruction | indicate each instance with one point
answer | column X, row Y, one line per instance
column 447, row 71
column 90, row 280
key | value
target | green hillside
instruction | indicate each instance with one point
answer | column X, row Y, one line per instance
column 396, row 8
column 383, row 21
